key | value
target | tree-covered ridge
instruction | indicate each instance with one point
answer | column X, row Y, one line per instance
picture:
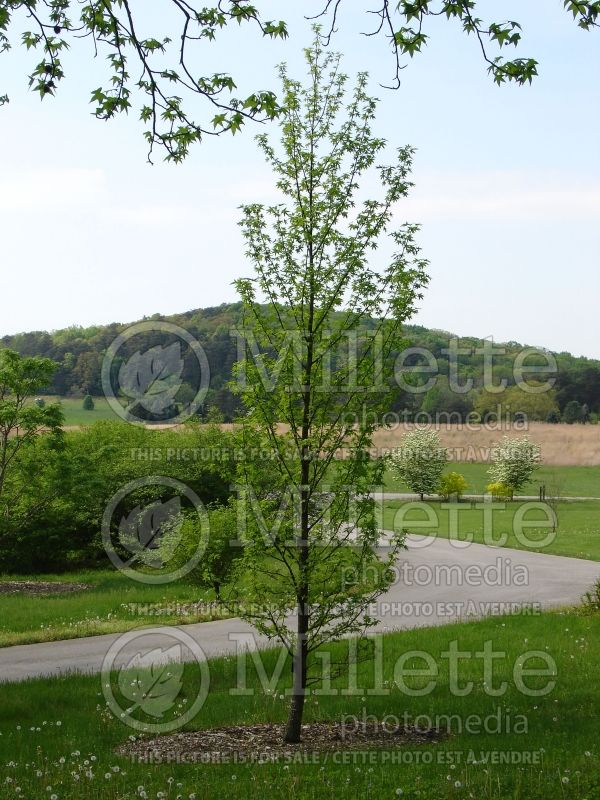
column 79, row 351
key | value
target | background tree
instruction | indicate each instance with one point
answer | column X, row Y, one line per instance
column 515, row 460
column 420, row 461
column 515, row 402
column 577, row 378
column 572, row 412
column 312, row 356
column 163, row 70
column 21, row 419
column 444, row 405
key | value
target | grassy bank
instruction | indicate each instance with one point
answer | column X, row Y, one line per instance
column 577, row 535
column 58, row 738
column 113, row 603
column 75, row 414
column 563, row 481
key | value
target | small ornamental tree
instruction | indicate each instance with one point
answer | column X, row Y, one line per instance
column 88, row 403
column 515, row 460
column 420, row 461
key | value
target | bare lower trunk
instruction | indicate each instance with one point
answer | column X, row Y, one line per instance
column 294, row 723
column 300, row 662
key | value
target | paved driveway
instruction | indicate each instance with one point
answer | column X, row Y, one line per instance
column 438, row 583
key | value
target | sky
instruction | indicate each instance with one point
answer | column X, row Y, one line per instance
column 507, row 183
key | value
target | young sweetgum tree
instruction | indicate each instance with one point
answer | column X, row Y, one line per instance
column 320, row 325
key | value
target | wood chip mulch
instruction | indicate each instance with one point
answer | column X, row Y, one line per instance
column 40, row 587
column 263, row 743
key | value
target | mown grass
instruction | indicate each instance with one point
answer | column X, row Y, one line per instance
column 114, row 603
column 75, row 414
column 564, row 481
column 58, row 739
column 577, row 534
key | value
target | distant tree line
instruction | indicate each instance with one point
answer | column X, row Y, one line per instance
column 79, row 352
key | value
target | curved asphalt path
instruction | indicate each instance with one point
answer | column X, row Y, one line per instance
column 443, row 581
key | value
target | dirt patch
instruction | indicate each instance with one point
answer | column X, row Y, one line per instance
column 264, row 743
column 41, row 587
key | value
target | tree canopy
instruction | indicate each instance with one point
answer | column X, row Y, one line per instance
column 157, row 70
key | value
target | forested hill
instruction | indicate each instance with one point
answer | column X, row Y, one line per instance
column 79, row 351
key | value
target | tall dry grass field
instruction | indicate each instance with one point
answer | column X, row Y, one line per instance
column 562, row 445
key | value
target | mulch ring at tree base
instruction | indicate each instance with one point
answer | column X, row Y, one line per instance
column 41, row 587
column 264, row 742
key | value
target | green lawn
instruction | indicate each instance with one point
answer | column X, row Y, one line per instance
column 114, row 603
column 578, row 532
column 572, row 481
column 76, row 415
column 58, row 740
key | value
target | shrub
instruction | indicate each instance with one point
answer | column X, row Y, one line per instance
column 591, row 599
column 452, row 484
column 88, row 403
column 500, row 490
column 219, row 555
column 80, row 478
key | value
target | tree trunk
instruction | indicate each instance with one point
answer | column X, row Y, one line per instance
column 293, row 728
column 300, row 662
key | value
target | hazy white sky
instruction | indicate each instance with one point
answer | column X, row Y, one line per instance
column 507, row 185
